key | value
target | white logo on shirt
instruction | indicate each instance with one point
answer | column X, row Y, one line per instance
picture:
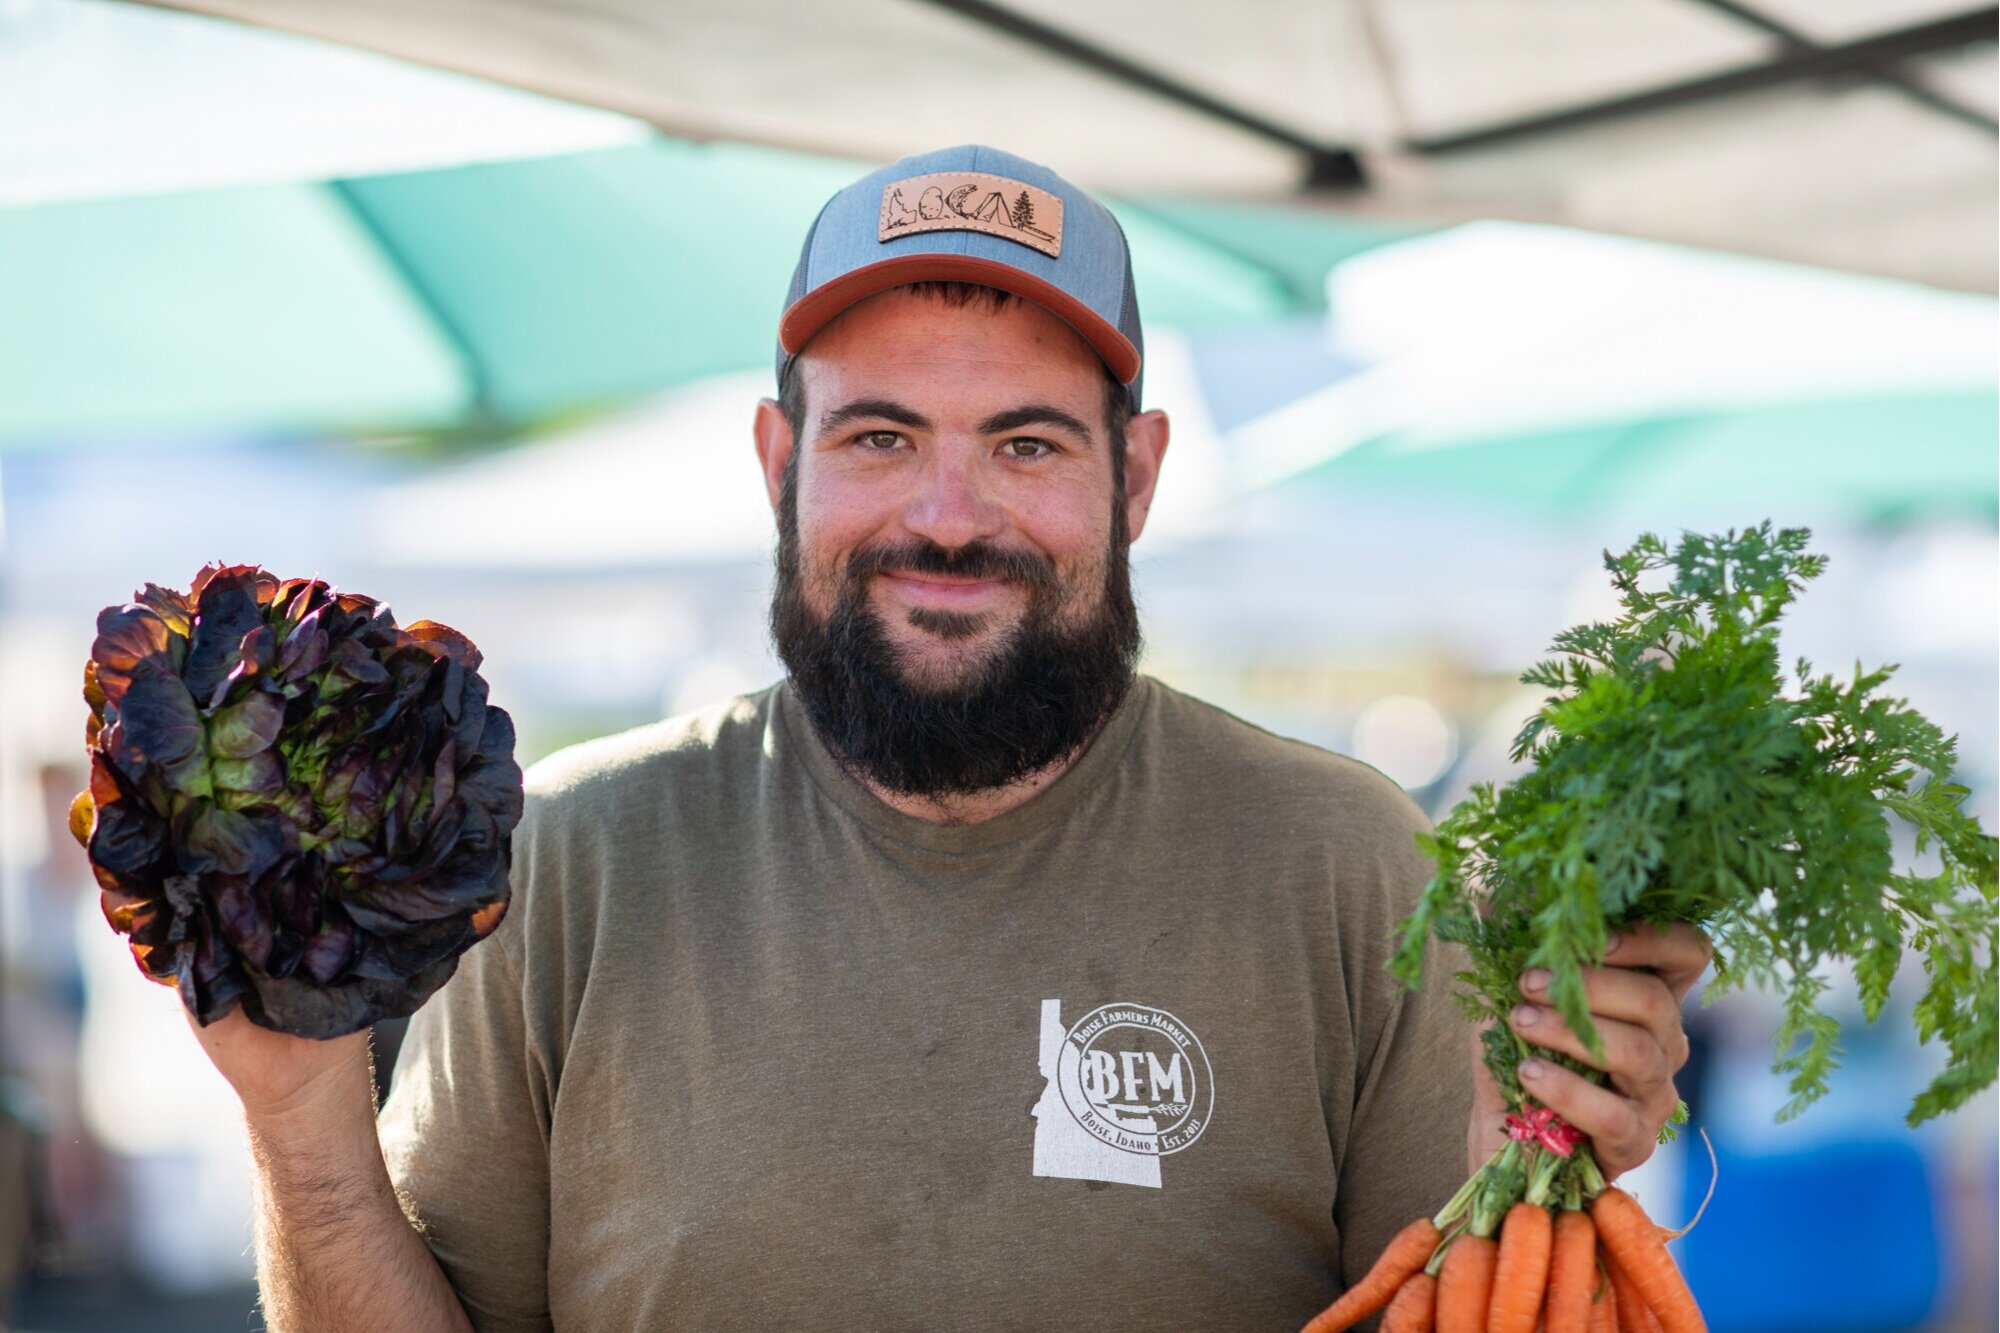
column 1126, row 1084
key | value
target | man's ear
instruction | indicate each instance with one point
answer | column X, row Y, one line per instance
column 774, row 446
column 1145, row 447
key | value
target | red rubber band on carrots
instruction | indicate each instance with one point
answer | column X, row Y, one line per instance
column 1545, row 1127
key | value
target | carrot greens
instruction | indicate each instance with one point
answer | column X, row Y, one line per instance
column 1676, row 773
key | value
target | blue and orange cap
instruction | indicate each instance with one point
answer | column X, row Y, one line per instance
column 971, row 214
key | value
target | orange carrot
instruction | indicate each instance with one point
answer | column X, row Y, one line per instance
column 1465, row 1284
column 1572, row 1272
column 1604, row 1309
column 1521, row 1272
column 1407, row 1253
column 1633, row 1316
column 1624, row 1229
column 1415, row 1308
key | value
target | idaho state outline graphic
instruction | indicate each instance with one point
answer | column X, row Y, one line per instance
column 1064, row 1149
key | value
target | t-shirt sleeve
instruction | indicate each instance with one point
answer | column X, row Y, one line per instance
column 465, row 1135
column 1405, row 1154
column 1408, row 1135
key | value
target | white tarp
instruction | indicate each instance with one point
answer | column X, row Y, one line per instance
column 1848, row 171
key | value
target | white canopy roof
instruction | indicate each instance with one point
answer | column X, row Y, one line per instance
column 1853, row 133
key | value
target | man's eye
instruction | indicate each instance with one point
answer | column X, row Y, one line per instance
column 881, row 441
column 1027, row 446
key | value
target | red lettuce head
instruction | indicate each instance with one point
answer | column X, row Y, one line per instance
column 294, row 804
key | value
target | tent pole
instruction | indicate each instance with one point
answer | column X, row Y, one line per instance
column 1328, row 167
column 1919, row 39
column 1885, row 72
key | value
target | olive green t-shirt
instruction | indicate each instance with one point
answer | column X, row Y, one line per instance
column 754, row 1050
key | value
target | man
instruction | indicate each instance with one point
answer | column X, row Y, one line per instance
column 963, row 980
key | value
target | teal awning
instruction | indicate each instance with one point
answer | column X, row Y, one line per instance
column 492, row 296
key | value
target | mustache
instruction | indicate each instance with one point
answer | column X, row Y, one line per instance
column 975, row 560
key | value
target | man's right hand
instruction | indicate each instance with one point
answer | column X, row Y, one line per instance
column 334, row 1251
column 280, row 1076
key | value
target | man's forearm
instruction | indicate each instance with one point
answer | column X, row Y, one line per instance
column 334, row 1250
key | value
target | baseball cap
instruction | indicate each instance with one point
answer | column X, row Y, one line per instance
column 971, row 214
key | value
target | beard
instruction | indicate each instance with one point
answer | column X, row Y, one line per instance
column 1037, row 696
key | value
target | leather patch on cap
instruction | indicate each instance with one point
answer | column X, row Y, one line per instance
column 972, row 201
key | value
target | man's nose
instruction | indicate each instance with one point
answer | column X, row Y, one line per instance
column 952, row 505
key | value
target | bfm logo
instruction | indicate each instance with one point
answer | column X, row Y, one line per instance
column 1136, row 1078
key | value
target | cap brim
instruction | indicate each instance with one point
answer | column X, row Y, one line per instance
column 815, row 310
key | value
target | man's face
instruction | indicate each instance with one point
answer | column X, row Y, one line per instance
column 953, row 601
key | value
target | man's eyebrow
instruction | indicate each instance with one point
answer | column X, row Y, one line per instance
column 1032, row 414
column 872, row 409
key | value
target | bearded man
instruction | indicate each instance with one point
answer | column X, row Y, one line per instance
column 964, row 979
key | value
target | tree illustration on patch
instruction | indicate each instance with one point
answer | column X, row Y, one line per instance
column 1024, row 211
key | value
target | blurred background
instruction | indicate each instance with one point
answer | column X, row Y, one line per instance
column 466, row 306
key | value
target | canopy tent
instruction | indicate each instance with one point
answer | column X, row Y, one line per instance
column 1858, row 134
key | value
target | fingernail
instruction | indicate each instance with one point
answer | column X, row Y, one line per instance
column 1534, row 979
column 1611, row 945
column 1526, row 1015
column 1532, row 1069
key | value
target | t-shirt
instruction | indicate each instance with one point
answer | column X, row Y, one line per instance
column 753, row 1049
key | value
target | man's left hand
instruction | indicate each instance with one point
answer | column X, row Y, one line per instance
column 1635, row 1001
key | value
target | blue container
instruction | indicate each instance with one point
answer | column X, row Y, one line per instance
column 1840, row 1238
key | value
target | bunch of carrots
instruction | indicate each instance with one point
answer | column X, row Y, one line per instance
column 1554, row 1260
